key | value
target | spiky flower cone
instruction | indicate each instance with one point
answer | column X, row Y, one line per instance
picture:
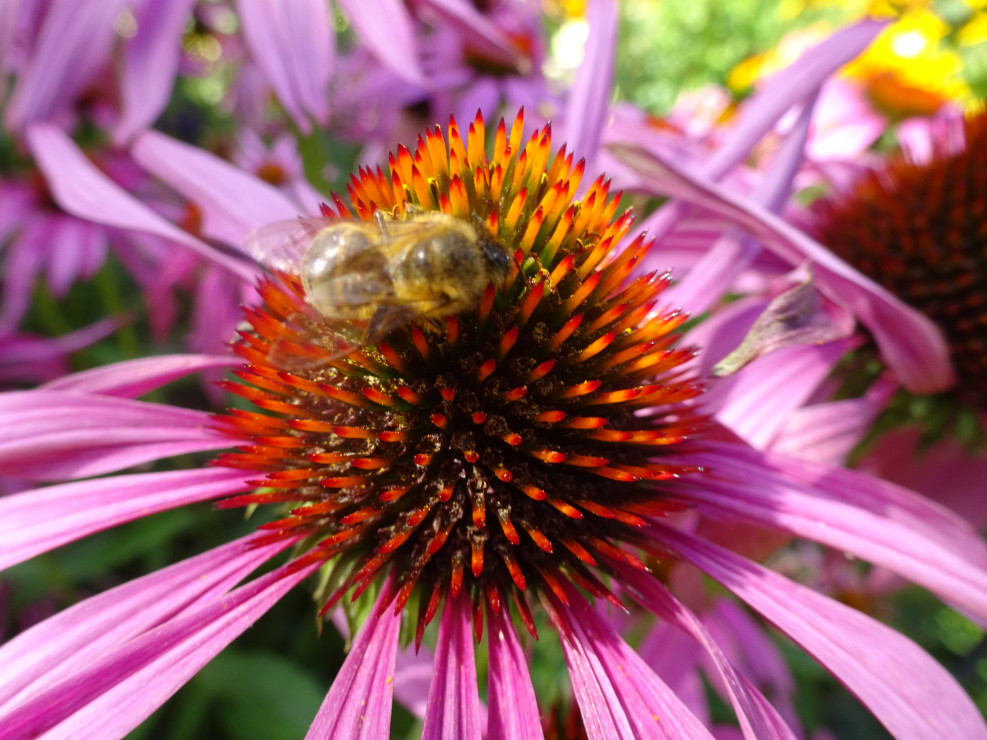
column 920, row 230
column 512, row 450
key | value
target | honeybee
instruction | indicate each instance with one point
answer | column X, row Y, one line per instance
column 388, row 272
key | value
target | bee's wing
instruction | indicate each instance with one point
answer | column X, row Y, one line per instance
column 281, row 245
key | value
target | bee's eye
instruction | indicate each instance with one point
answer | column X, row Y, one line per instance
column 497, row 256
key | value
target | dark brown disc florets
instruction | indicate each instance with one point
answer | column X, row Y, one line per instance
column 920, row 230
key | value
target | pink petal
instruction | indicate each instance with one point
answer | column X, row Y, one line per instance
column 387, row 29
column 911, row 694
column 828, row 432
column 132, row 378
column 233, row 202
column 911, row 344
column 82, row 190
column 618, row 695
column 38, row 442
column 122, row 689
column 359, row 703
column 453, row 702
column 717, row 269
column 150, row 65
column 513, row 711
column 588, row 106
column 293, row 44
column 73, row 46
column 758, row 719
column 477, row 31
column 37, row 521
column 873, row 520
column 63, row 644
column 789, row 86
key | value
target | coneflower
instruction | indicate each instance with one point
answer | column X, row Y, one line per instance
column 918, row 226
column 537, row 452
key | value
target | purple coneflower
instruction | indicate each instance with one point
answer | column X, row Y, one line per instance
column 538, row 452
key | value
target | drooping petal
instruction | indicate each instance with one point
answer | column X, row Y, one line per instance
column 453, row 702
column 359, row 703
column 387, row 29
column 150, row 65
column 53, row 435
column 233, row 203
column 874, row 520
column 119, row 691
column 82, row 190
column 293, row 44
column 513, row 708
column 478, row 32
column 619, row 696
column 74, row 638
column 133, row 378
column 758, row 718
column 908, row 691
column 911, row 344
column 37, row 521
column 588, row 106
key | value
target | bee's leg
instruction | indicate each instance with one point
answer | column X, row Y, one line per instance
column 384, row 320
column 382, row 224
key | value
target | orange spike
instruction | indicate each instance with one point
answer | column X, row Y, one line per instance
column 539, row 539
column 500, row 143
column 439, row 420
column 392, row 358
column 531, row 302
column 531, row 232
column 515, row 209
column 486, row 369
column 437, row 151
column 566, row 508
column 550, row 417
column 581, row 389
column 421, row 187
column 517, row 129
column 558, row 339
column 534, row 492
column 549, row 456
column 515, row 394
column 509, row 338
column 371, row 463
column 509, row 531
column 409, row 395
column 476, row 558
column 596, row 347
column 585, row 422
column 353, row 432
column 540, row 371
column 486, row 304
column 517, row 575
column 391, row 436
column 579, row 551
column 475, row 142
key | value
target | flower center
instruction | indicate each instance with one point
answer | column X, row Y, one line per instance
column 920, row 230
column 505, row 449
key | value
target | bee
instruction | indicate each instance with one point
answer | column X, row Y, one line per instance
column 385, row 273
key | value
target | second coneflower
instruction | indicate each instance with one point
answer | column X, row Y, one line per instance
column 918, row 226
